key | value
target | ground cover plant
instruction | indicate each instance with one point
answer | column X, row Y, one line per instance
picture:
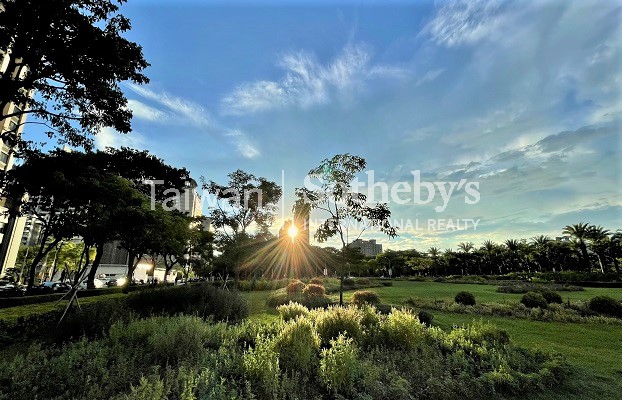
column 381, row 357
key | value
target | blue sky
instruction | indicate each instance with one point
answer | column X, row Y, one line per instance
column 522, row 97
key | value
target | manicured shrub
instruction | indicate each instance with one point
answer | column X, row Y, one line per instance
column 465, row 298
column 314, row 290
column 292, row 310
column 295, row 286
column 533, row 300
column 349, row 282
column 365, row 297
column 317, row 281
column 606, row 305
column 363, row 281
column 297, row 346
column 425, row 317
column 340, row 366
column 386, row 283
column 333, row 321
column 277, row 298
column 551, row 297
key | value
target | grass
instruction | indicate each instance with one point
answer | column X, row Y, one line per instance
column 401, row 290
column 594, row 349
column 12, row 313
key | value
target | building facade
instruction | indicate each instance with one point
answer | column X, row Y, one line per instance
column 369, row 248
column 11, row 228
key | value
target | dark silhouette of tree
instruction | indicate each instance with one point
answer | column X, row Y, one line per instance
column 73, row 55
column 581, row 233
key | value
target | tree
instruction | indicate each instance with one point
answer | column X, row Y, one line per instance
column 72, row 53
column 244, row 200
column 581, row 233
column 345, row 208
column 434, row 253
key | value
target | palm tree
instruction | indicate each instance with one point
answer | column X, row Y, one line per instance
column 434, row 252
column 599, row 238
column 540, row 246
column 465, row 250
column 490, row 250
column 581, row 232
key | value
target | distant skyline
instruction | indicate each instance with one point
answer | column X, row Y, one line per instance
column 522, row 97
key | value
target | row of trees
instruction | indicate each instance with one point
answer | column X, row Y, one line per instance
column 584, row 248
column 102, row 197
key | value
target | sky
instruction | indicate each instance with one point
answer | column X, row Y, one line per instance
column 521, row 98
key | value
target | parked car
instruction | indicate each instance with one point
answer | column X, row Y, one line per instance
column 97, row 282
column 112, row 282
column 53, row 287
column 9, row 289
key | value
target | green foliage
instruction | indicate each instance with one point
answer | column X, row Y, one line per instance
column 295, row 286
column 402, row 330
column 332, row 322
column 533, row 300
column 95, row 318
column 317, row 281
column 314, row 290
column 551, row 297
column 465, row 298
column 349, row 282
column 297, row 345
column 425, row 317
column 365, row 297
column 340, row 366
column 292, row 310
column 189, row 358
column 606, row 305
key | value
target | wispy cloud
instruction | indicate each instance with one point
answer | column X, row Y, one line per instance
column 108, row 137
column 307, row 82
column 184, row 112
column 142, row 111
column 243, row 144
column 177, row 106
column 460, row 21
column 430, row 76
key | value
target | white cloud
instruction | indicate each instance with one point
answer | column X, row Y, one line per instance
column 180, row 108
column 430, row 76
column 143, row 111
column 108, row 137
column 243, row 144
column 460, row 21
column 307, row 82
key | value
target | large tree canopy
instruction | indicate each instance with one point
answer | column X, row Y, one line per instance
column 71, row 53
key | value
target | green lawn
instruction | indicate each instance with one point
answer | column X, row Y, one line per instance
column 594, row 349
column 401, row 290
column 13, row 313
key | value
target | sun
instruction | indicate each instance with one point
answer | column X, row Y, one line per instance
column 292, row 232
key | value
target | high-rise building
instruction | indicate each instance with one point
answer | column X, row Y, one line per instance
column 369, row 248
column 11, row 227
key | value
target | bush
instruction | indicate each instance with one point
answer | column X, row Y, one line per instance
column 606, row 305
column 297, row 346
column 292, row 311
column 295, row 286
column 363, row 282
column 551, row 297
column 317, row 281
column 338, row 320
column 386, row 283
column 314, row 290
column 533, row 300
column 465, row 298
column 339, row 365
column 402, row 330
column 349, row 282
column 425, row 317
column 277, row 299
column 365, row 297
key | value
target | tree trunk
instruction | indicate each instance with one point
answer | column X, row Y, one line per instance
column 90, row 282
